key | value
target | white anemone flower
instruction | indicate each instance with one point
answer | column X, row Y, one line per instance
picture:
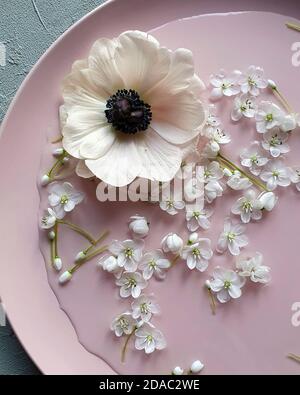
column 226, row 284
column 276, row 174
column 128, row 253
column 232, row 238
column 275, row 142
column 123, row 324
column 254, row 158
column 154, row 264
column 198, row 254
column 268, row 116
column 243, row 106
column 48, row 220
column 131, row 108
column 295, row 177
column 149, row 339
column 63, row 198
column 197, row 218
column 246, row 207
column 253, row 80
column 144, row 307
column 253, row 268
column 224, row 85
column 131, row 284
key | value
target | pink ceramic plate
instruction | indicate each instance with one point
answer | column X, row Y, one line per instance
column 43, row 328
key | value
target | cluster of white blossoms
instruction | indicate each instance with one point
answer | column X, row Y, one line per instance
column 227, row 283
column 132, row 269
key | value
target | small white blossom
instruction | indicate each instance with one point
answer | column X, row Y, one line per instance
column 128, row 253
column 232, row 238
column 172, row 243
column 144, row 307
column 238, row 182
column 131, row 284
column 57, row 263
column 197, row 254
column 177, row 371
column 123, row 324
column 210, row 150
column 212, row 171
column 295, row 177
column 196, row 367
column 275, row 142
column 170, row 203
column 149, row 339
column 254, row 158
column 45, row 180
column 57, row 152
column 109, row 263
column 198, row 218
column 212, row 190
column 253, row 268
column 268, row 116
column 290, row 122
column 154, row 264
column 63, row 198
column 139, row 226
column 266, row 201
column 226, row 284
column 252, row 80
column 243, row 106
column 276, row 173
column 48, row 220
column 245, row 207
column 218, row 137
column 224, row 85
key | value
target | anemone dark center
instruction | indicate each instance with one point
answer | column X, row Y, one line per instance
column 127, row 112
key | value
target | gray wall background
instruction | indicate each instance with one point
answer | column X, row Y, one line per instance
column 27, row 29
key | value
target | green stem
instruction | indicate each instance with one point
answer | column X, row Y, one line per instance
column 254, row 180
column 57, row 139
column 282, row 99
column 55, row 240
column 212, row 301
column 293, row 26
column 52, row 248
column 87, row 258
column 174, row 260
column 294, row 357
column 124, row 349
column 79, row 230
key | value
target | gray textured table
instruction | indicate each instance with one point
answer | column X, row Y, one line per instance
column 27, row 29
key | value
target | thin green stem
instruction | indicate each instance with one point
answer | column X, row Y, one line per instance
column 212, row 301
column 175, row 260
column 282, row 99
column 102, row 236
column 87, row 258
column 294, row 357
column 293, row 26
column 55, row 240
column 57, row 139
column 79, row 230
column 52, row 249
column 235, row 167
column 124, row 349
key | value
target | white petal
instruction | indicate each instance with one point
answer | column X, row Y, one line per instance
column 97, row 143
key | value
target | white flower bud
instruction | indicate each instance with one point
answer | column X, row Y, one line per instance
column 109, row 264
column 58, row 152
column 172, row 242
column 272, row 84
column 266, row 201
column 51, row 235
column 207, row 284
column 193, row 238
column 227, row 172
column 57, row 264
column 65, row 277
column 177, row 371
column 196, row 367
column 80, row 256
column 214, row 146
column 288, row 122
column 139, row 226
column 45, row 180
column 65, row 159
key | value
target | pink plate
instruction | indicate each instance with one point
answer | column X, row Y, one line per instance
column 40, row 324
